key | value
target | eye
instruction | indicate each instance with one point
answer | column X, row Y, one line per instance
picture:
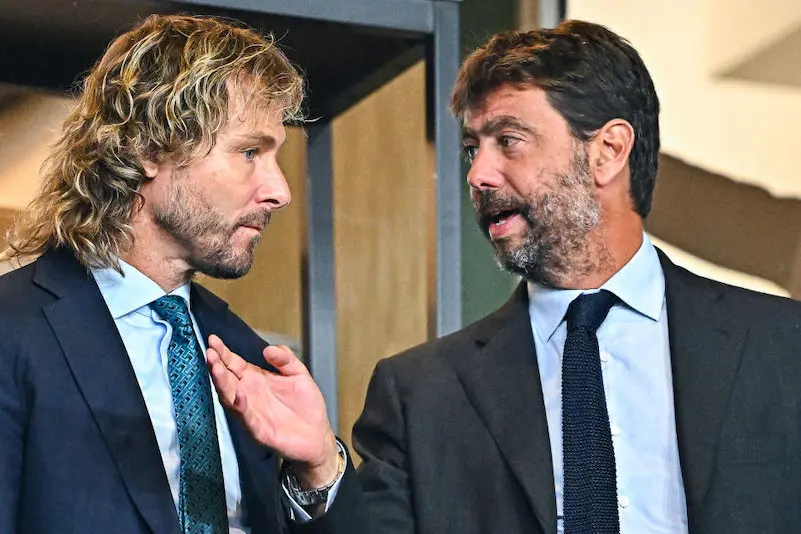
column 507, row 141
column 250, row 153
column 469, row 153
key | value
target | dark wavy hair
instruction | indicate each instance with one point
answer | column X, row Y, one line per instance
column 590, row 76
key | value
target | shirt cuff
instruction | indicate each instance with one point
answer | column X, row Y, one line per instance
column 296, row 512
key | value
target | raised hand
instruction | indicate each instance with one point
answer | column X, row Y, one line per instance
column 283, row 411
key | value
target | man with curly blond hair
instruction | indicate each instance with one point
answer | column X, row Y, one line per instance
column 108, row 418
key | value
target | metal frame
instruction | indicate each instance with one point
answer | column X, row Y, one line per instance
column 320, row 317
column 550, row 14
column 408, row 15
column 448, row 171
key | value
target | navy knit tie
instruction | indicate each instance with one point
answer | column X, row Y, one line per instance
column 201, row 501
column 590, row 487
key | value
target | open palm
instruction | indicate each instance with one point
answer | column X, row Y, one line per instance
column 284, row 411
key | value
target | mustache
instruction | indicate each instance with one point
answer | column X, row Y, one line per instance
column 489, row 204
column 259, row 219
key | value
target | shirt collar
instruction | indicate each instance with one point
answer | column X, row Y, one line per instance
column 128, row 292
column 640, row 284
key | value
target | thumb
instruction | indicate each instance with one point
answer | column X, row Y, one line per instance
column 283, row 359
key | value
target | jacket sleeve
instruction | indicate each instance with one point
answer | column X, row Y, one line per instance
column 377, row 499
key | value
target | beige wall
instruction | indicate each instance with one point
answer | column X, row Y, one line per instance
column 382, row 189
column 738, row 29
column 28, row 126
column 7, row 217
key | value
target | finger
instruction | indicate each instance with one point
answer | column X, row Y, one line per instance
column 280, row 357
column 232, row 361
column 224, row 380
column 212, row 357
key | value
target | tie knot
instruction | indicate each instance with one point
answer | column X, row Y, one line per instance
column 173, row 309
column 589, row 310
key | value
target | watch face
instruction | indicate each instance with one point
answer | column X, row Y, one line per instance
column 317, row 495
column 306, row 497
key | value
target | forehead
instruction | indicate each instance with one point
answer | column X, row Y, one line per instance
column 247, row 114
column 527, row 104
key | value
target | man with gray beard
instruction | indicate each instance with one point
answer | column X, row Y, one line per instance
column 615, row 392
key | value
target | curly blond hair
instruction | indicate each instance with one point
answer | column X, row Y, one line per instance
column 160, row 91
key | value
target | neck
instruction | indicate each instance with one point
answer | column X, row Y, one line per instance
column 610, row 247
column 156, row 255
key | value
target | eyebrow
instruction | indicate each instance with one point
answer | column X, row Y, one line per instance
column 263, row 140
column 497, row 124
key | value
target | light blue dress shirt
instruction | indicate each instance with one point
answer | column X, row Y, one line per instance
column 635, row 362
column 146, row 338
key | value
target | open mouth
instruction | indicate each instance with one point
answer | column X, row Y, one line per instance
column 504, row 223
column 501, row 216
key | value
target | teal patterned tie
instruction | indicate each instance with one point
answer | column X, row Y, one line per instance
column 201, row 503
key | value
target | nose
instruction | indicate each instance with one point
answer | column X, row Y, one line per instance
column 273, row 188
column 485, row 171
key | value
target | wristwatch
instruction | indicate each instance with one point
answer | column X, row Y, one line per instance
column 315, row 495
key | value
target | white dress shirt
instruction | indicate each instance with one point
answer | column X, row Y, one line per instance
column 635, row 363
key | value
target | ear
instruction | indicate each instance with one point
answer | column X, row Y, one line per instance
column 612, row 145
column 150, row 167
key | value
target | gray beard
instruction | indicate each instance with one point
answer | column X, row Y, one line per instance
column 556, row 245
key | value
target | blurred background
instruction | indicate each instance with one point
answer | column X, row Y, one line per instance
column 727, row 201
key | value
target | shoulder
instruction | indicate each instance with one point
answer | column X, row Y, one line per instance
column 763, row 316
column 746, row 303
column 20, row 296
column 775, row 316
column 16, row 284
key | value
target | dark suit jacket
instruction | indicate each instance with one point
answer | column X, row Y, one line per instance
column 455, row 441
column 77, row 449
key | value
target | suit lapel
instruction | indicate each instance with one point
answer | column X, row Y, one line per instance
column 258, row 466
column 502, row 381
column 705, row 351
column 96, row 355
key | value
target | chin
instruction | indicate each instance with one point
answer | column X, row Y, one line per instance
column 508, row 244
column 227, row 272
column 227, row 268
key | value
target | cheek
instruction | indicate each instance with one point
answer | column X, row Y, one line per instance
column 530, row 177
column 524, row 180
column 233, row 187
column 156, row 192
